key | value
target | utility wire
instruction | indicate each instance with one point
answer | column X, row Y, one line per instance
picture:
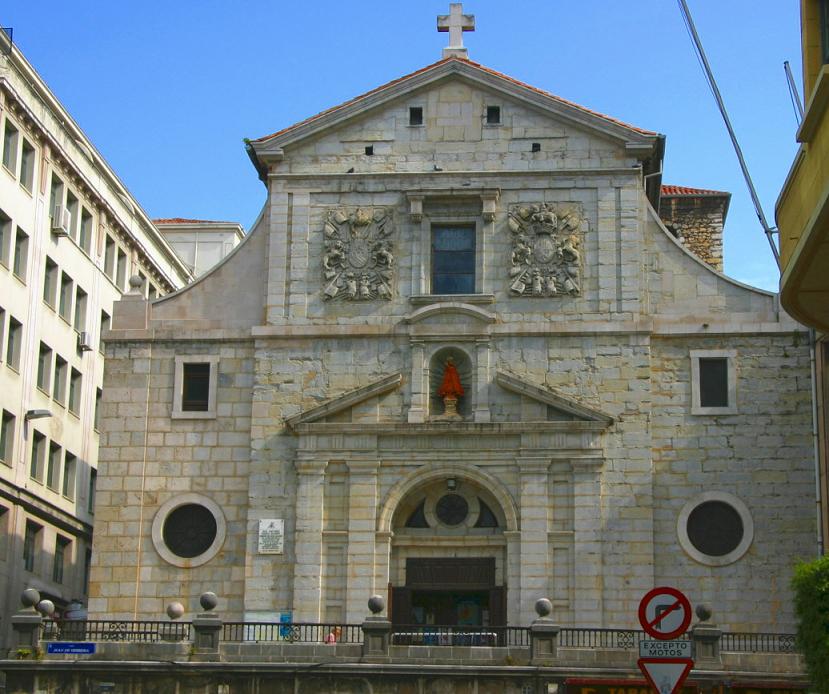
column 712, row 84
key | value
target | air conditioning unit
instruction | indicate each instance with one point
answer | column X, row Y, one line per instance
column 85, row 342
column 61, row 221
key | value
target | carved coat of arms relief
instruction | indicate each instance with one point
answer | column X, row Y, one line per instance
column 546, row 257
column 357, row 261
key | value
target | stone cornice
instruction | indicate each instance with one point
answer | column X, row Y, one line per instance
column 344, row 401
column 518, row 385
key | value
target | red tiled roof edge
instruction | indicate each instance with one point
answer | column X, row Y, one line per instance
column 441, row 62
column 182, row 220
column 684, row 190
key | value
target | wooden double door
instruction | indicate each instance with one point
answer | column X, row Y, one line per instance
column 449, row 592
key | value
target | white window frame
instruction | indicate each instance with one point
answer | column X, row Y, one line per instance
column 707, row 559
column 178, row 386
column 731, row 356
column 158, row 530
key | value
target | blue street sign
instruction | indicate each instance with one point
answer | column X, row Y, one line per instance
column 70, row 648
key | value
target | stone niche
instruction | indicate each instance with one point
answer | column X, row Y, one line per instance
column 437, row 366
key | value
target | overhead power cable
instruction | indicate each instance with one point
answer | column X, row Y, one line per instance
column 712, row 84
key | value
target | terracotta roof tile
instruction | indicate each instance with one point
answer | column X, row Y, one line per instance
column 433, row 66
column 684, row 190
column 182, row 220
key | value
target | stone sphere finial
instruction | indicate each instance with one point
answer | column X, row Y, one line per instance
column 543, row 607
column 46, row 608
column 136, row 284
column 703, row 612
column 30, row 597
column 208, row 601
column 175, row 610
column 376, row 604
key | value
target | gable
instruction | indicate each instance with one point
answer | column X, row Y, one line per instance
column 454, row 95
column 557, row 407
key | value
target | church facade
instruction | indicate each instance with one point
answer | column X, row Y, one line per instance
column 459, row 362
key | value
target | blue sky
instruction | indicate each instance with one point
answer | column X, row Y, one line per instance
column 168, row 90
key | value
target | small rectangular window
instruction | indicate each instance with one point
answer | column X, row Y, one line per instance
column 21, row 254
column 50, row 282
column 90, row 497
column 14, row 343
column 59, row 383
column 121, row 270
column 65, row 305
column 493, row 115
column 109, row 257
column 61, row 550
column 453, row 260
column 96, row 420
column 72, row 206
column 55, row 195
column 75, row 385
column 38, row 456
column 70, row 466
column 196, row 388
column 79, row 322
column 415, row 115
column 713, row 382
column 105, row 321
column 87, row 570
column 85, row 236
column 10, row 136
column 5, row 238
column 53, row 466
column 44, row 366
column 195, row 385
column 30, row 542
column 27, row 166
column 7, row 438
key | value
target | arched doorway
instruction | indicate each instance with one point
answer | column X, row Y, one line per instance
column 448, row 560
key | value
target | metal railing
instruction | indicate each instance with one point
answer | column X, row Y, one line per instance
column 401, row 635
column 740, row 642
column 116, row 630
column 294, row 632
column 623, row 639
column 444, row 635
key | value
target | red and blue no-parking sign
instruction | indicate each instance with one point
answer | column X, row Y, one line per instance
column 664, row 613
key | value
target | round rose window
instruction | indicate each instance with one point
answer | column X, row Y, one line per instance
column 452, row 509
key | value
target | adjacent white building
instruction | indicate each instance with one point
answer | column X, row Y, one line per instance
column 71, row 236
column 200, row 243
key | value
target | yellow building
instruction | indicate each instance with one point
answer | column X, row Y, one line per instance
column 803, row 219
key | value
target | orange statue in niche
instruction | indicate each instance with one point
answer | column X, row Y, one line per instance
column 451, row 386
column 450, row 390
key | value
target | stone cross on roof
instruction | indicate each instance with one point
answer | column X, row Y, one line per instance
column 456, row 22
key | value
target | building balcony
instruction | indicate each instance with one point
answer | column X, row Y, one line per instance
column 802, row 213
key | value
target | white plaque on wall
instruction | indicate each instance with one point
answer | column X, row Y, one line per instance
column 271, row 535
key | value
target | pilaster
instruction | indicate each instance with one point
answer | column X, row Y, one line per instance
column 533, row 472
column 362, row 520
column 587, row 545
column 308, row 539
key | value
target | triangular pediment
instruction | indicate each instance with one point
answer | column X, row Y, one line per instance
column 334, row 406
column 636, row 141
column 562, row 406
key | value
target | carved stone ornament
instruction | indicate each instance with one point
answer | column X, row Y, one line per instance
column 357, row 261
column 546, row 256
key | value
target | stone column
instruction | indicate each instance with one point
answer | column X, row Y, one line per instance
column 418, row 409
column 534, row 528
column 482, row 350
column 308, row 539
column 362, row 525
column 587, row 545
